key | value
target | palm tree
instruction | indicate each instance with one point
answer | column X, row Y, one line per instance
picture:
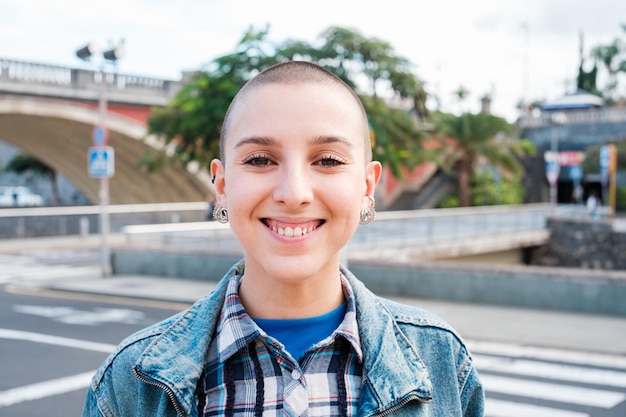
column 607, row 55
column 470, row 138
column 22, row 163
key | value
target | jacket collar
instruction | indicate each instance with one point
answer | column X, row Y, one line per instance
column 393, row 371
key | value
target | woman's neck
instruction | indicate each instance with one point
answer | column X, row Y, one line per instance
column 264, row 297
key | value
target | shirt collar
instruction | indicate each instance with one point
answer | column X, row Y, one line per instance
column 235, row 328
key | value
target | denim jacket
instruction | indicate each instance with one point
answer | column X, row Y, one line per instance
column 414, row 363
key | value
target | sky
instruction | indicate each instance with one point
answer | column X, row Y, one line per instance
column 509, row 49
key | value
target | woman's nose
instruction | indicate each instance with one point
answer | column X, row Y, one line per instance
column 294, row 187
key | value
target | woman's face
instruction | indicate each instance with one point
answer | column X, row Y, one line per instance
column 295, row 178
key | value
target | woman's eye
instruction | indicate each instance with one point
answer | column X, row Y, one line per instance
column 330, row 161
column 257, row 161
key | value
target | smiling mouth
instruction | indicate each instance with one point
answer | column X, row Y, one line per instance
column 292, row 230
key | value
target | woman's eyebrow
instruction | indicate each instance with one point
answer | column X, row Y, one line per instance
column 325, row 140
column 268, row 141
column 257, row 140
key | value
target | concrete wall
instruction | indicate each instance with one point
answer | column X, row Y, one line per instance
column 583, row 243
column 565, row 289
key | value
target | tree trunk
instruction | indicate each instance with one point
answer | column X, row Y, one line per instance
column 463, row 173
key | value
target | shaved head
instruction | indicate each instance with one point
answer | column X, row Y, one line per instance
column 293, row 72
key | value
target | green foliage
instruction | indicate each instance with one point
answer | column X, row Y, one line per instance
column 22, row 163
column 192, row 122
column 449, row 201
column 591, row 164
column 527, row 147
column 477, row 137
column 488, row 189
column 396, row 135
column 620, row 198
column 612, row 59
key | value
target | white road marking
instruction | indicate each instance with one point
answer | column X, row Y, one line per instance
column 70, row 315
column 54, row 386
column 552, row 392
column 56, row 340
column 498, row 408
column 610, row 361
column 29, row 273
column 524, row 367
column 45, row 389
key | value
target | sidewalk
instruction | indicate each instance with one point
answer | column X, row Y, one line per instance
column 553, row 329
column 476, row 322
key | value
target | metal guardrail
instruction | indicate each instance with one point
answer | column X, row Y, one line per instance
column 422, row 227
column 84, row 220
column 602, row 115
column 183, row 224
column 392, row 229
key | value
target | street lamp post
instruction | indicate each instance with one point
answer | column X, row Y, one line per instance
column 556, row 119
column 100, row 151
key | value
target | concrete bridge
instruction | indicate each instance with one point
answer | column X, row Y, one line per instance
column 50, row 111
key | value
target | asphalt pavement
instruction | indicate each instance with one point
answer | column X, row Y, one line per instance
column 475, row 322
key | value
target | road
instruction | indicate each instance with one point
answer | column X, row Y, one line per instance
column 50, row 347
column 52, row 342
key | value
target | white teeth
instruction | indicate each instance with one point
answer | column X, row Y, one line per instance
column 292, row 231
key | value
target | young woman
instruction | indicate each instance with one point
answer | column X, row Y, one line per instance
column 289, row 331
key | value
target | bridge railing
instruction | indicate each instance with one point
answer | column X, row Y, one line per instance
column 34, row 78
column 601, row 115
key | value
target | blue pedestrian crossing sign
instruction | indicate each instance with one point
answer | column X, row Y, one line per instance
column 575, row 172
column 101, row 161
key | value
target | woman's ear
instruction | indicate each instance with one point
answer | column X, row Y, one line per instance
column 372, row 177
column 217, row 177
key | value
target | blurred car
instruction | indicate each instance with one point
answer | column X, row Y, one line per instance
column 19, row 196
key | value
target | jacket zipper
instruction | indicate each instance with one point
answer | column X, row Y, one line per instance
column 402, row 404
column 164, row 387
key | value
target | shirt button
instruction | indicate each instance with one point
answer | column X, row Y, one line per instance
column 295, row 374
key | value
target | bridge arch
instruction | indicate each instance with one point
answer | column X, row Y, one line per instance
column 59, row 133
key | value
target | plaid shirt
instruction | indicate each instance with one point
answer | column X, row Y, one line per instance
column 250, row 373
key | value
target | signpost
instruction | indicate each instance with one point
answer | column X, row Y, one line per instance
column 576, row 174
column 608, row 168
column 101, row 165
column 101, row 161
column 100, row 136
column 605, row 162
column 553, row 170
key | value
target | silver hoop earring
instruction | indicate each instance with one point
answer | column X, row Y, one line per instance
column 220, row 214
column 368, row 214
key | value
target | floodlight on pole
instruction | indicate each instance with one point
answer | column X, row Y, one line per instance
column 115, row 53
column 86, row 53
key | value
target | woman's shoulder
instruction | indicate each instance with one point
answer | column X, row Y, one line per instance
column 414, row 315
column 423, row 323
column 129, row 350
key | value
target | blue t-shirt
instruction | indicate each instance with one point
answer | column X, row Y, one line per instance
column 300, row 334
